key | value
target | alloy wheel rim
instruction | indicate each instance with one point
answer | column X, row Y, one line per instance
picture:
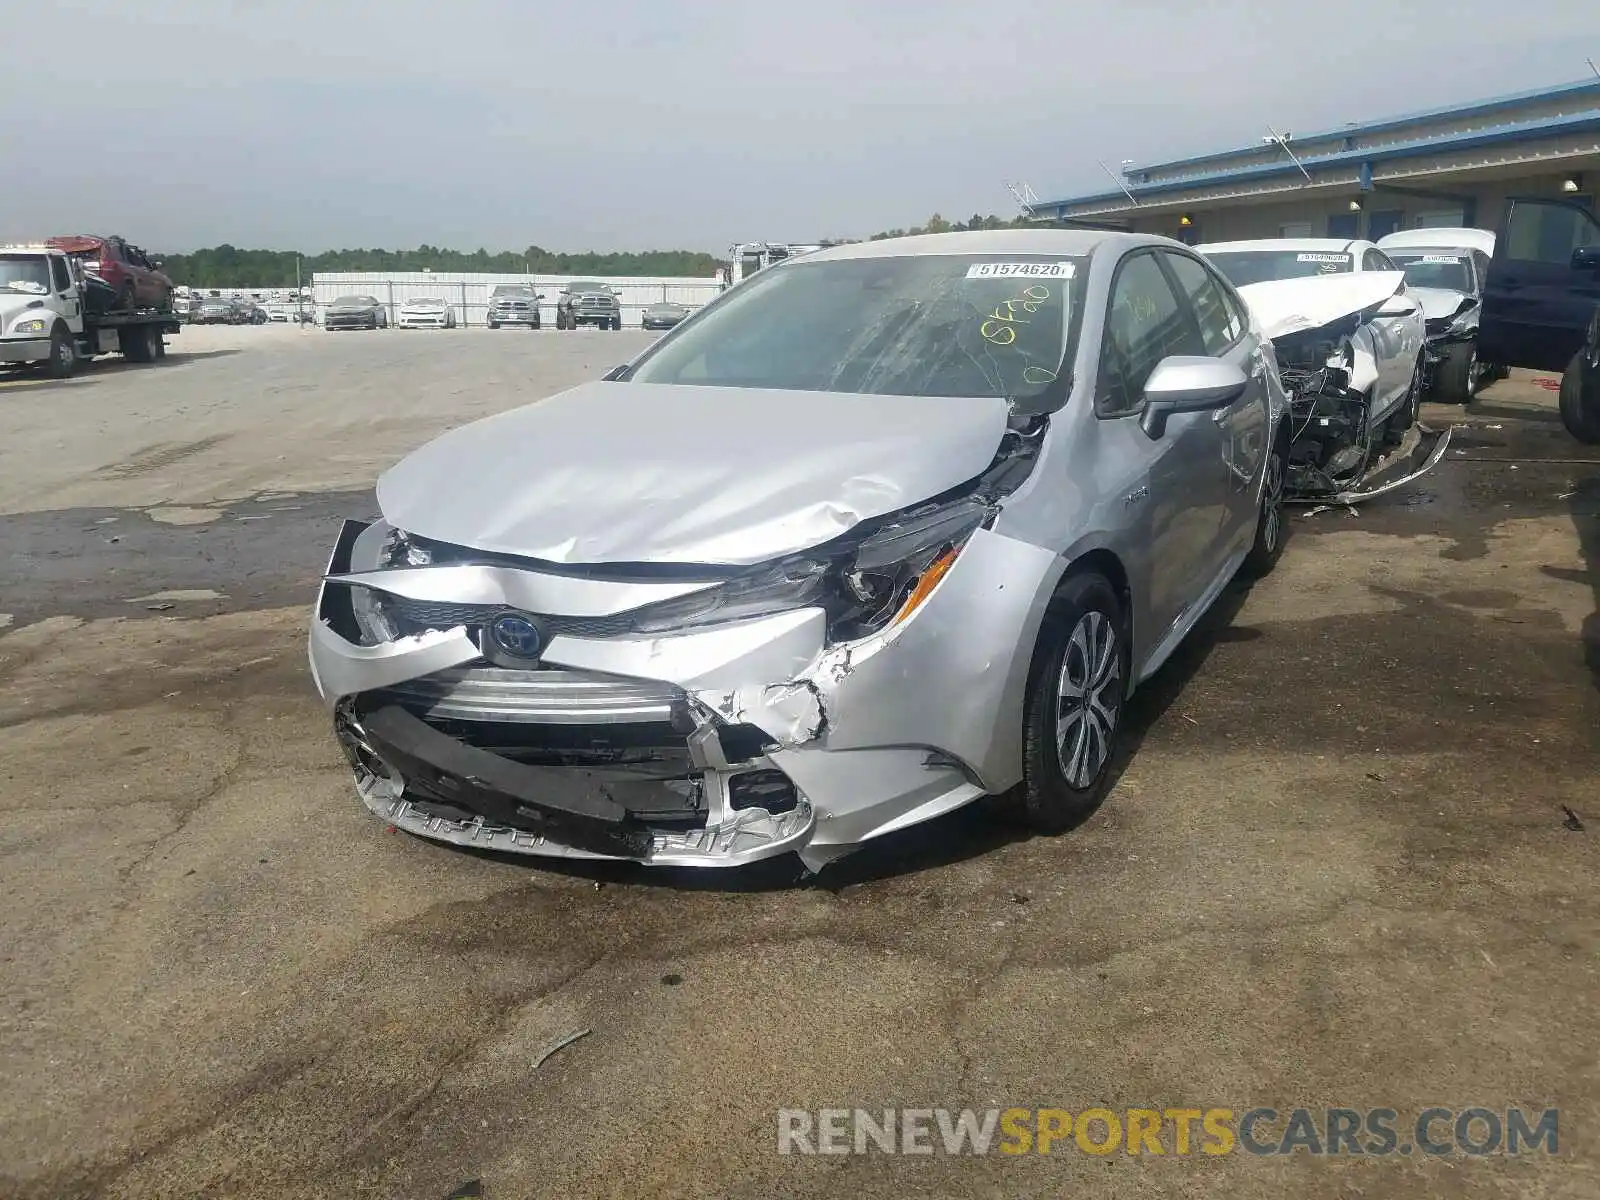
column 1272, row 502
column 65, row 352
column 1088, row 699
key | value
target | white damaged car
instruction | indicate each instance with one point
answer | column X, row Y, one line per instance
column 1348, row 334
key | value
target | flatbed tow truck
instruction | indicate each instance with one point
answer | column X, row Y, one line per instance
column 49, row 318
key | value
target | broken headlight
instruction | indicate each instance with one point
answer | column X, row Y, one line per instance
column 779, row 587
column 862, row 583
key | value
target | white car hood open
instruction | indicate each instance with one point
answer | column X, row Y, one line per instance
column 663, row 473
column 1285, row 306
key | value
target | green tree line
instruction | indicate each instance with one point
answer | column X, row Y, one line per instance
column 230, row 266
column 937, row 224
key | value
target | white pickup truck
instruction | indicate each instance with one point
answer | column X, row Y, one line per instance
column 51, row 314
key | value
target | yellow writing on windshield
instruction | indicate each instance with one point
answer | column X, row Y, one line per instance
column 1000, row 326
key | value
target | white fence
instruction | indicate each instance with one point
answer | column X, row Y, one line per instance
column 468, row 292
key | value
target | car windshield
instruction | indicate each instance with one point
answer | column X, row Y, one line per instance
column 913, row 325
column 428, row 302
column 512, row 291
column 25, row 273
column 352, row 302
column 588, row 286
column 1436, row 269
column 1260, row 266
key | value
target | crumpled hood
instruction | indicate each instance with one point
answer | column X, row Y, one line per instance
column 1285, row 306
column 1439, row 302
column 671, row 473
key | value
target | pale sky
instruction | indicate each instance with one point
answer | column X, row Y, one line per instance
column 636, row 124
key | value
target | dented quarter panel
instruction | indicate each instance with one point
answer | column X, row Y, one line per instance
column 689, row 474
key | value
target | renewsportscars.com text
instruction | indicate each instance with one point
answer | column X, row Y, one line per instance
column 1377, row 1132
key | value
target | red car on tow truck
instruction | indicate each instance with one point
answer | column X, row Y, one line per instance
column 135, row 281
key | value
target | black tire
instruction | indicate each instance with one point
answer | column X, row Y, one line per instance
column 1579, row 413
column 138, row 343
column 494, row 324
column 535, row 324
column 1272, row 529
column 1068, row 748
column 616, row 324
column 63, row 354
column 1456, row 381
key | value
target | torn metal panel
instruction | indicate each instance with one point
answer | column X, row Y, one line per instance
column 967, row 699
column 686, row 476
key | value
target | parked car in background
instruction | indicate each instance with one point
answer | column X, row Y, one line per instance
column 715, row 609
column 1445, row 269
column 356, row 312
column 1541, row 302
column 663, row 315
column 135, row 281
column 1348, row 338
column 588, row 302
column 428, row 312
column 1387, row 345
column 514, row 304
column 215, row 310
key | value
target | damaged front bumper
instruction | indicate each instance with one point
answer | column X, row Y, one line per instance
column 715, row 746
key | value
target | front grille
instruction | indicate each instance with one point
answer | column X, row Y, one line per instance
column 415, row 616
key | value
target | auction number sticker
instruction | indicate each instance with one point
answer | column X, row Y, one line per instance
column 1020, row 270
column 1441, row 258
column 1322, row 258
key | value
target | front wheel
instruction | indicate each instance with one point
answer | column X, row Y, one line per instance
column 1072, row 716
column 1271, row 528
column 1579, row 413
column 63, row 354
column 1457, row 380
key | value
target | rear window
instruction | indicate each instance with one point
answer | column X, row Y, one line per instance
column 1243, row 267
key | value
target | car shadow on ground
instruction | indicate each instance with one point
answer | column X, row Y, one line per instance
column 970, row 832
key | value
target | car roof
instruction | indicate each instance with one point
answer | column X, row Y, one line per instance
column 1066, row 242
column 1323, row 245
column 1443, row 238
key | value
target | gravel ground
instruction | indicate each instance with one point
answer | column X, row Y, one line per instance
column 1338, row 868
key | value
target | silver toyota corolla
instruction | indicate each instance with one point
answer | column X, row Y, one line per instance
column 878, row 532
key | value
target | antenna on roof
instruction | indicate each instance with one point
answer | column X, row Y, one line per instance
column 1132, row 199
column 1592, row 67
column 1025, row 197
column 1282, row 139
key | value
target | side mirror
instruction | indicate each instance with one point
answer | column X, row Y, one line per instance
column 1185, row 383
column 538, row 296
column 1586, row 258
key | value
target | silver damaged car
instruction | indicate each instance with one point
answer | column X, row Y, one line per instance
column 878, row 532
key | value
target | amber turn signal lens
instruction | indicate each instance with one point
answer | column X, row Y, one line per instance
column 925, row 584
